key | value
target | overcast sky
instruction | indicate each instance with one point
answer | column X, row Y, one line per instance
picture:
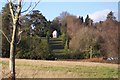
column 96, row 10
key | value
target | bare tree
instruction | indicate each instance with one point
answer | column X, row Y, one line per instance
column 15, row 10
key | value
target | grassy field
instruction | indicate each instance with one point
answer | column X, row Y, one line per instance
column 60, row 69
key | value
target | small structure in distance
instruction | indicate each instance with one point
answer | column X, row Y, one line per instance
column 54, row 34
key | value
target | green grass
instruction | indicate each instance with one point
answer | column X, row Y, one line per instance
column 60, row 70
column 59, row 51
column 57, row 45
column 83, row 71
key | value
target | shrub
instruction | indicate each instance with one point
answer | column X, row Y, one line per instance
column 87, row 41
column 34, row 48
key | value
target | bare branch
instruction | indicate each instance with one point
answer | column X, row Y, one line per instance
column 19, row 40
column 9, row 1
column 27, row 8
column 19, row 34
column 18, row 10
column 5, row 35
column 34, row 6
column 11, row 10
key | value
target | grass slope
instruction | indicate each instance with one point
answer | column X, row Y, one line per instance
column 57, row 45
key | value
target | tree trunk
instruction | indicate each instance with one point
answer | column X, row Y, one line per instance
column 91, row 52
column 12, row 52
column 15, row 18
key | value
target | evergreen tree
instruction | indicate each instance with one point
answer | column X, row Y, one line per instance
column 81, row 19
column 39, row 23
column 88, row 21
column 111, row 16
column 6, row 28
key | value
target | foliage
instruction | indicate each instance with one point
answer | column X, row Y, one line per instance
column 55, row 25
column 109, row 35
column 85, row 39
column 111, row 16
column 81, row 39
column 34, row 48
column 0, row 35
column 88, row 21
column 37, row 22
column 6, row 28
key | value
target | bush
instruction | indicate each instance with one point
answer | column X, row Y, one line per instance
column 34, row 48
column 70, row 54
column 87, row 41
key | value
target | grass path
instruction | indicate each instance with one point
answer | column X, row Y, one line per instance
column 57, row 45
column 60, row 69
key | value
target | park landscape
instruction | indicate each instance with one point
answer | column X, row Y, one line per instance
column 69, row 46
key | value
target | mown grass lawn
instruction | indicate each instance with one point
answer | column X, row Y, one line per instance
column 60, row 69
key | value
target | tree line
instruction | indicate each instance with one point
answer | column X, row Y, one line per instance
column 82, row 38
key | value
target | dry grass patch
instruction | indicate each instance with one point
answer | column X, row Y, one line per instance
column 61, row 69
